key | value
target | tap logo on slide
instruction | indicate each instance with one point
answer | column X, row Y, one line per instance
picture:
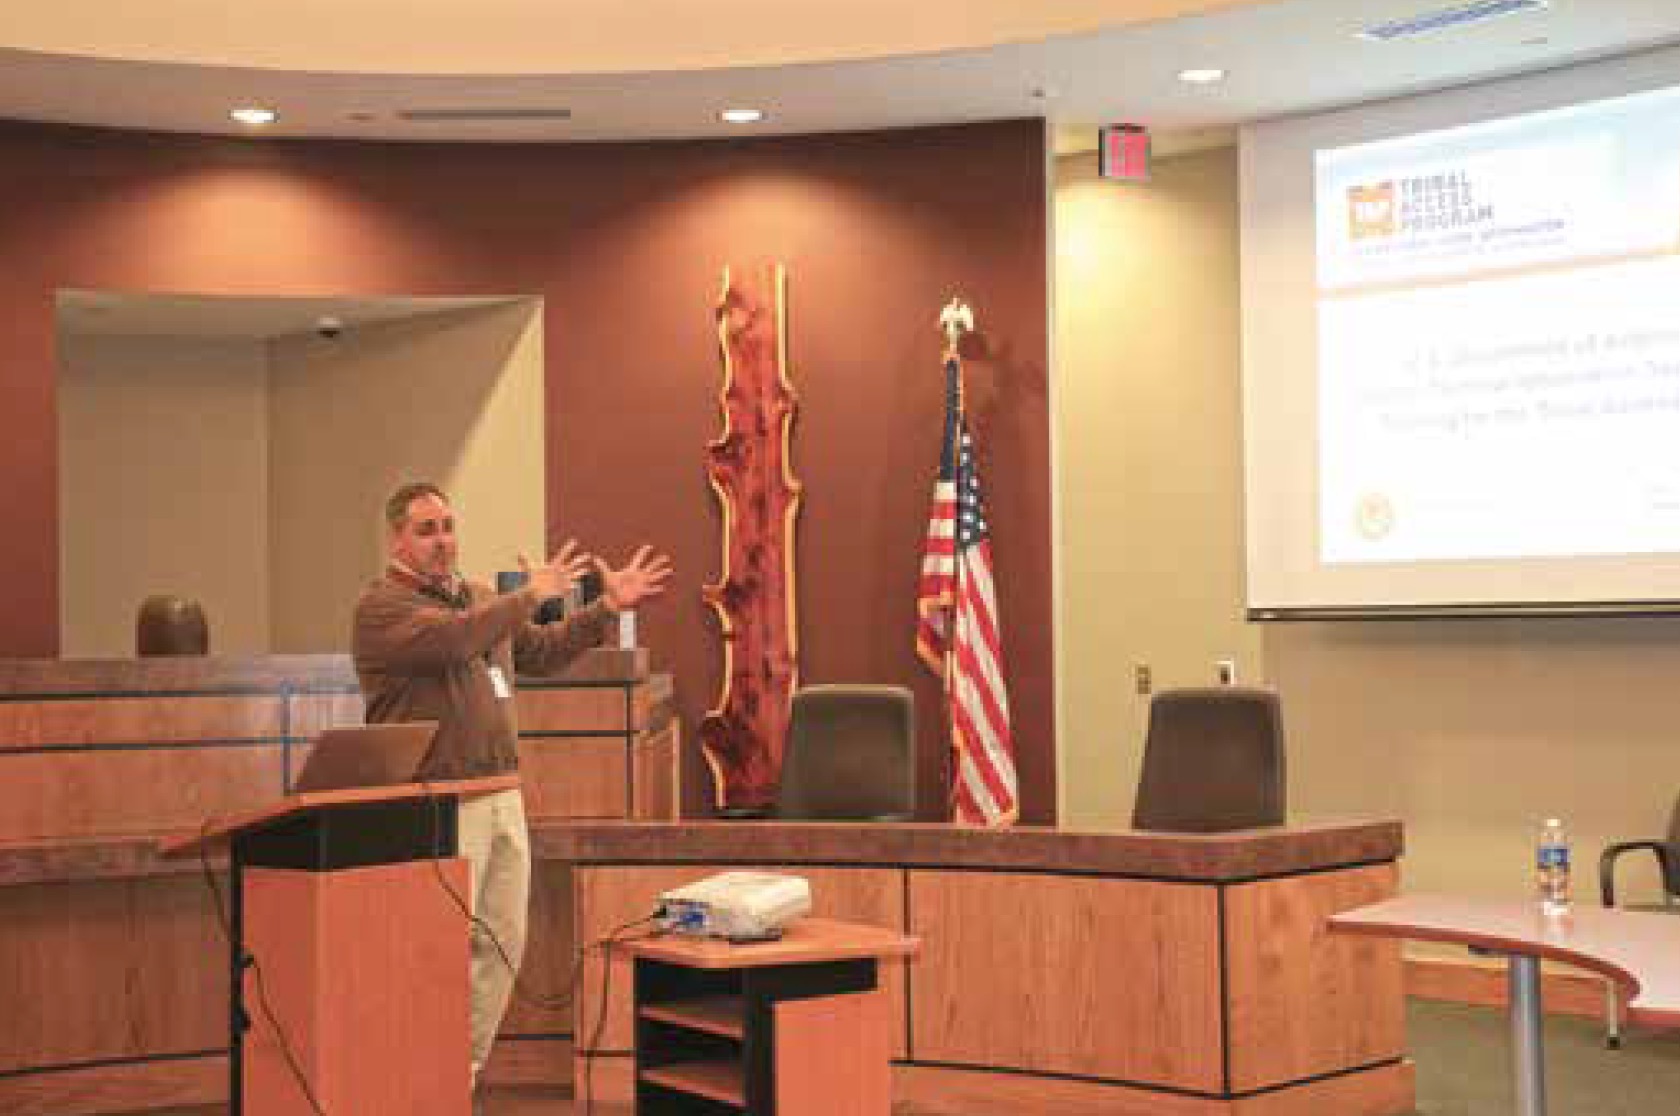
column 1371, row 211
column 1407, row 218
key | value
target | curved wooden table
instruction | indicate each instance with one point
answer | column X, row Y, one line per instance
column 1640, row 952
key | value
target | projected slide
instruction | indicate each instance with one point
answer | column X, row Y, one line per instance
column 1499, row 338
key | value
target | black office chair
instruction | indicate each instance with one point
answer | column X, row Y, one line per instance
column 1667, row 851
column 850, row 755
column 1213, row 761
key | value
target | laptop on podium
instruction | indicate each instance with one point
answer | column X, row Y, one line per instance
column 365, row 756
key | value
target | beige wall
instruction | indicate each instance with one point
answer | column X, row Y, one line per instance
column 1148, row 449
column 163, row 467
column 454, row 398
column 1469, row 731
column 1472, row 730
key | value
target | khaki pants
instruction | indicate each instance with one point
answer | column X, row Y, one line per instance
column 496, row 842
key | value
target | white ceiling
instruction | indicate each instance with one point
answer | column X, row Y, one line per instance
column 552, row 36
column 1283, row 57
column 129, row 314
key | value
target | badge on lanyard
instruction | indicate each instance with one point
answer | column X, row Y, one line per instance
column 498, row 682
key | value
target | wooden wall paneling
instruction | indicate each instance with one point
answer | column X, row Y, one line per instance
column 527, row 1060
column 297, row 755
column 832, row 1055
column 651, row 704
column 308, row 714
column 166, row 674
column 575, row 777
column 575, row 709
column 138, row 720
column 178, row 991
column 948, row 1091
column 135, row 1087
column 655, row 778
column 1111, row 978
column 64, row 956
column 945, row 1091
column 547, row 970
column 1389, row 1090
column 606, row 250
column 609, row 897
column 109, row 969
column 82, row 794
column 607, row 1080
column 1303, row 1001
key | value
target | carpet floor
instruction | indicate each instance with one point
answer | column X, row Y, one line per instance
column 1463, row 1069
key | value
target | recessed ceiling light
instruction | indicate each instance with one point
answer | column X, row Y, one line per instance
column 1206, row 75
column 741, row 115
column 254, row 116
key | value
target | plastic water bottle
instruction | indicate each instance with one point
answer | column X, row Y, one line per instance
column 1551, row 863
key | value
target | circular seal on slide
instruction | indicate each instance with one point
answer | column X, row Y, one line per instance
column 1374, row 516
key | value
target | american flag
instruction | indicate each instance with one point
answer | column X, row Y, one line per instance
column 958, row 635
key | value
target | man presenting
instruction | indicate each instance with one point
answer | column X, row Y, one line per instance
column 431, row 646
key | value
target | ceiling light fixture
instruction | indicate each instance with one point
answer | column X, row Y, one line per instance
column 741, row 115
column 1205, row 75
column 253, row 116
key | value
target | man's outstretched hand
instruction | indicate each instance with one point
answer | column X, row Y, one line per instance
column 642, row 577
column 560, row 574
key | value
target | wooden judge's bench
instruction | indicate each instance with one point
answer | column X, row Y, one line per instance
column 113, row 971
column 1104, row 973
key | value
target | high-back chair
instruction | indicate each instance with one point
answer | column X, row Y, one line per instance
column 850, row 755
column 171, row 625
column 1213, row 761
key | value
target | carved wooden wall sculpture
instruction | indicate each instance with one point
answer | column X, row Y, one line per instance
column 751, row 471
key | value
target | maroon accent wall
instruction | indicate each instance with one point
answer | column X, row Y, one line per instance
column 625, row 245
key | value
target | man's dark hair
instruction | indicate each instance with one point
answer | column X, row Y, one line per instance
column 396, row 506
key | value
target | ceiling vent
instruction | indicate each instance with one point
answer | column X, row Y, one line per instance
column 480, row 115
column 1448, row 19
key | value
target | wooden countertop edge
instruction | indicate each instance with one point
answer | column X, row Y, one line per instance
column 251, row 675
column 1207, row 858
column 807, row 940
column 217, row 831
column 1223, row 858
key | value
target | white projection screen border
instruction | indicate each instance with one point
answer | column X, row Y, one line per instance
column 1461, row 350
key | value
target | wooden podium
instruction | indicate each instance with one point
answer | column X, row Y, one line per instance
column 350, row 959
column 794, row 1027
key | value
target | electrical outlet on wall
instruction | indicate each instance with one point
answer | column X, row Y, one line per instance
column 1143, row 678
column 1226, row 671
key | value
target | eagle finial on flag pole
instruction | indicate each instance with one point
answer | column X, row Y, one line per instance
column 956, row 319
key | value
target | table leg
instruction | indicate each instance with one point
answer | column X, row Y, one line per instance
column 1528, row 1057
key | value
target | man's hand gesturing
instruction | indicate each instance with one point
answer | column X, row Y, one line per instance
column 642, row 577
column 562, row 571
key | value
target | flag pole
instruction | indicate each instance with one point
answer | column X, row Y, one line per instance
column 955, row 320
